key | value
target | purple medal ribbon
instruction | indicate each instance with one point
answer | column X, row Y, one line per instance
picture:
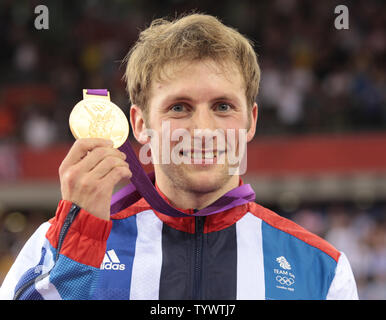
column 143, row 186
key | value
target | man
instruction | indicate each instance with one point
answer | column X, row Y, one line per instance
column 191, row 73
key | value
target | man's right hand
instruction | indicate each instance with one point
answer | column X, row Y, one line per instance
column 89, row 173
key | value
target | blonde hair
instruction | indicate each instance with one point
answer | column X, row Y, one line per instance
column 190, row 37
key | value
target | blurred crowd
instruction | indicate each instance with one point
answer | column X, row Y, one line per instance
column 315, row 79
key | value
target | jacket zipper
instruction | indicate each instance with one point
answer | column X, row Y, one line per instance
column 66, row 225
column 198, row 252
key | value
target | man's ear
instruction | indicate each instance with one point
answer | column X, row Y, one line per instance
column 138, row 124
column 253, row 122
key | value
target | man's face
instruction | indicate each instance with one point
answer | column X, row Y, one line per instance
column 199, row 95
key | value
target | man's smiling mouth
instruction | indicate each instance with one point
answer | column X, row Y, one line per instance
column 203, row 157
column 201, row 154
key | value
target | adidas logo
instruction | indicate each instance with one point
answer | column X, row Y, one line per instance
column 112, row 262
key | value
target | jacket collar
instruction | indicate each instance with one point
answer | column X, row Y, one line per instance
column 214, row 222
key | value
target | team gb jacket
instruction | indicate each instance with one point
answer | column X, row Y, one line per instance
column 247, row 252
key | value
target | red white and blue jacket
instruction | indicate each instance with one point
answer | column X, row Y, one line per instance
column 247, row 252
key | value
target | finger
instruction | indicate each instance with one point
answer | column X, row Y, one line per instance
column 107, row 165
column 116, row 175
column 80, row 149
column 95, row 156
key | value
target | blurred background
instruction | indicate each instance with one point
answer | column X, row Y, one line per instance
column 319, row 154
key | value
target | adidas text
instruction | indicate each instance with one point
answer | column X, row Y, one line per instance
column 113, row 266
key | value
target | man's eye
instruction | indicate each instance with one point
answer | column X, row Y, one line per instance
column 177, row 108
column 223, row 107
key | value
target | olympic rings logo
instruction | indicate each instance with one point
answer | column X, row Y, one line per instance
column 284, row 280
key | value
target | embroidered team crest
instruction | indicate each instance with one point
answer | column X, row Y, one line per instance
column 283, row 263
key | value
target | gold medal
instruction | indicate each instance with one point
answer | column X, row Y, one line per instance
column 97, row 117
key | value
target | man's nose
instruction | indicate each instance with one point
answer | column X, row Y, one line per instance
column 204, row 128
column 203, row 118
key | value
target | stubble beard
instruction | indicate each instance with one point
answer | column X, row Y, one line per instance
column 205, row 182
